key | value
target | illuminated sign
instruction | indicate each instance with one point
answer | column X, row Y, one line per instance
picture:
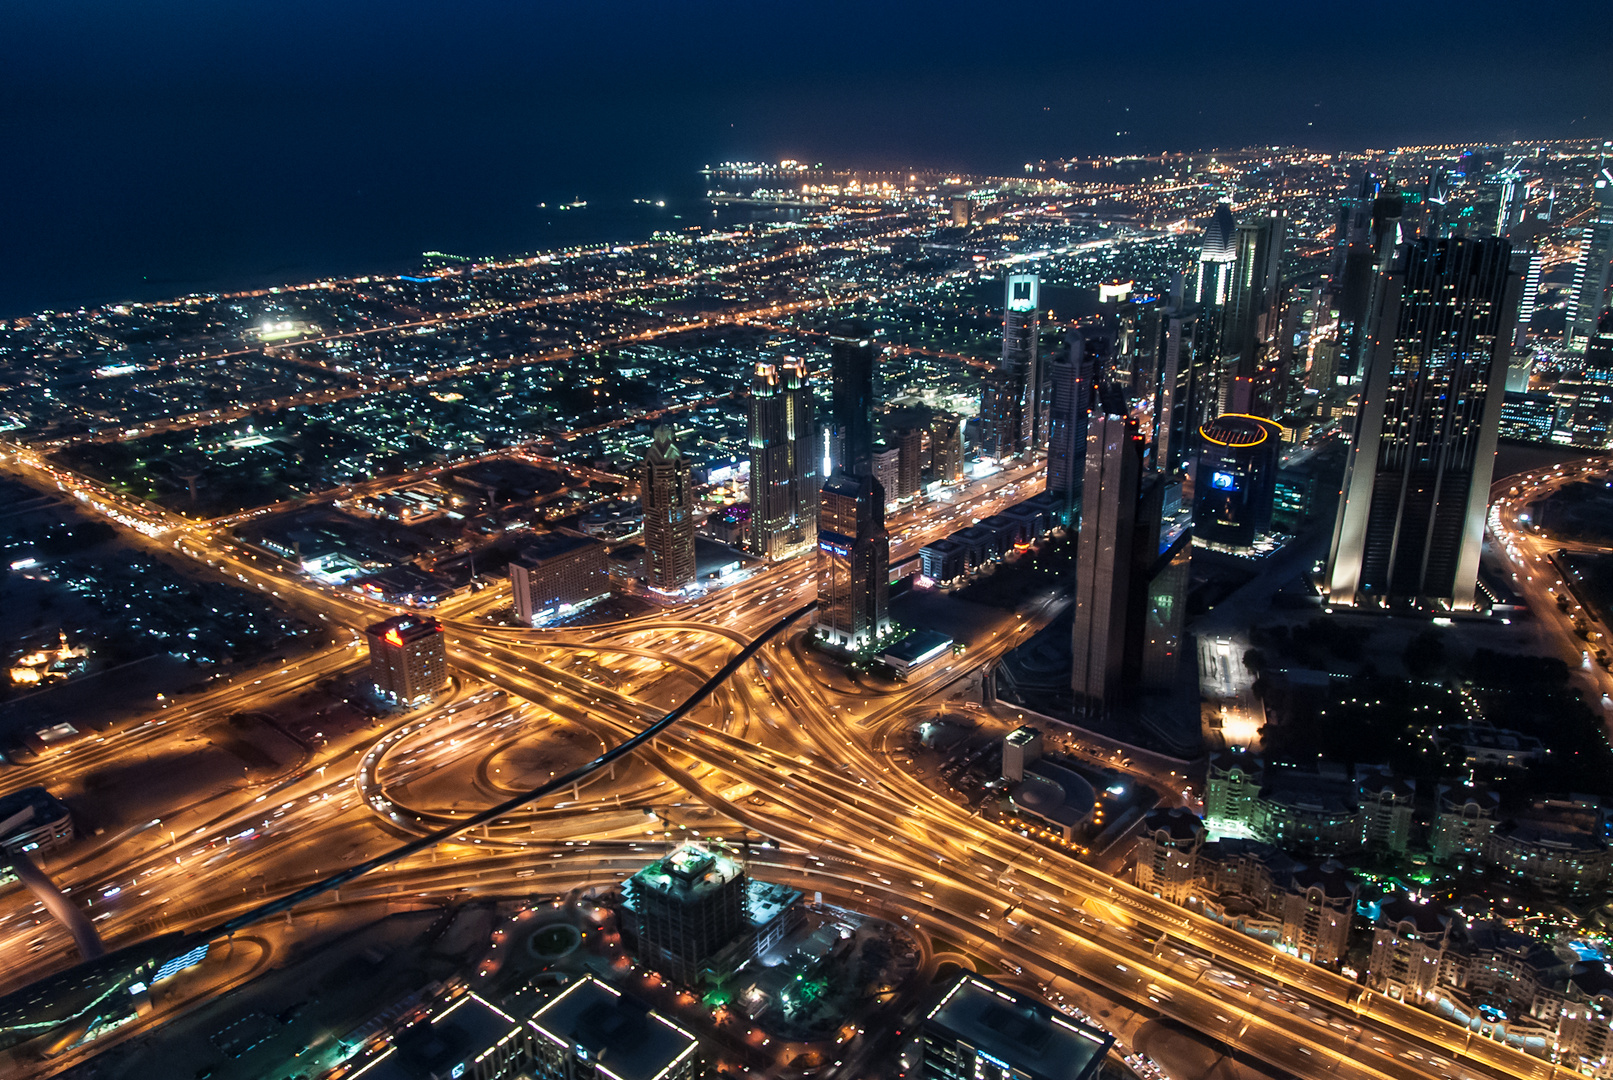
column 1023, row 290
column 842, row 550
column 394, row 638
column 1224, row 480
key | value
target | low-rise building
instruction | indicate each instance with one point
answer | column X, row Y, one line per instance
column 408, row 658
column 1167, row 853
column 593, row 1031
column 32, row 819
column 1464, row 817
column 982, row 1031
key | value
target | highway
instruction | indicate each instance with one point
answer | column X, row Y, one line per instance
column 795, row 754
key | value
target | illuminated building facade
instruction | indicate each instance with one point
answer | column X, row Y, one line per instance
column 408, row 658
column 666, row 490
column 1217, row 255
column 1411, row 521
column 1236, row 480
column 1009, row 412
column 853, row 563
column 783, row 460
column 557, row 573
column 1592, row 290
column 681, row 911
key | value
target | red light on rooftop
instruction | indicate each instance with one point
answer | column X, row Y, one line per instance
column 394, row 638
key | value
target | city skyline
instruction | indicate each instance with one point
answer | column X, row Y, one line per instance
column 1122, row 617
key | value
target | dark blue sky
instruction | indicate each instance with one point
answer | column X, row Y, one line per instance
column 153, row 148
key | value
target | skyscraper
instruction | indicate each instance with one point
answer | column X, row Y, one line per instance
column 853, row 547
column 853, row 562
column 1186, row 393
column 910, row 441
column 1103, row 559
column 1411, row 521
column 1216, row 257
column 1070, row 384
column 783, row 460
column 666, row 490
column 408, row 658
column 1593, row 274
column 852, row 356
column 1256, row 273
column 946, row 448
column 1010, row 395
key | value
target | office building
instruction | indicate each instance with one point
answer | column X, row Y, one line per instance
column 408, row 658
column 783, row 460
column 682, row 911
column 1527, row 417
column 853, row 563
column 852, row 359
column 468, row 1037
column 1598, row 366
column 1253, row 299
column 946, row 449
column 1235, row 484
column 556, row 574
column 1217, row 255
column 888, row 470
column 911, row 442
column 1411, row 521
column 981, row 1031
column 1070, row 384
column 1021, row 747
column 1187, row 389
column 1592, row 290
column 666, row 490
column 1104, row 559
column 592, row 1031
column 1164, row 616
column 1010, row 395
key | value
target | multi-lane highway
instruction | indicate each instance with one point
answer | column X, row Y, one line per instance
column 791, row 750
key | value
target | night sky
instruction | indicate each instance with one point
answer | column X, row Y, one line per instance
column 160, row 147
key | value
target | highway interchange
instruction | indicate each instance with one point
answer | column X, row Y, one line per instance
column 792, row 750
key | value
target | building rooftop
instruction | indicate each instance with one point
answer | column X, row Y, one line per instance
column 1179, row 823
column 918, row 646
column 1025, row 1035
column 458, row 1035
column 405, row 628
column 541, row 549
column 1055, row 793
column 623, row 1035
column 688, row 871
column 40, row 805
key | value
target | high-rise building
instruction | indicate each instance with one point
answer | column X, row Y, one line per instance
column 982, row 1031
column 911, row 443
column 1070, row 381
column 1217, row 255
column 408, row 658
column 666, row 490
column 888, row 471
column 1253, row 301
column 592, row 1031
column 946, row 448
column 556, row 573
column 681, row 911
column 1411, row 522
column 1236, row 480
column 783, row 460
column 853, row 563
column 1010, row 393
column 1598, row 365
column 1104, row 558
column 852, row 358
column 1592, row 290
column 1187, row 388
